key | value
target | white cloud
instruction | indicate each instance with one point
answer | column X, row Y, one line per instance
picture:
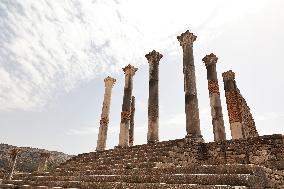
column 46, row 45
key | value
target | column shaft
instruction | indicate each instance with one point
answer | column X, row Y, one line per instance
column 102, row 136
column 191, row 101
column 215, row 100
column 126, row 106
column 131, row 129
column 14, row 155
column 233, row 104
column 43, row 162
column 153, row 100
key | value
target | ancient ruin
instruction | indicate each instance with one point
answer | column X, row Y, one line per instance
column 246, row 161
column 129, row 72
column 215, row 100
column 191, row 102
column 131, row 129
column 241, row 121
column 14, row 153
column 153, row 101
column 43, row 162
column 102, row 136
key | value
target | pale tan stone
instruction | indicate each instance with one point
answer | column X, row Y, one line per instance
column 129, row 72
column 102, row 136
column 236, row 130
column 42, row 166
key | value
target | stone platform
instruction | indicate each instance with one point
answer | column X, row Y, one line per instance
column 186, row 164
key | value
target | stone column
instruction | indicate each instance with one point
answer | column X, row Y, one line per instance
column 131, row 130
column 214, row 95
column 153, row 100
column 129, row 72
column 13, row 155
column 43, row 162
column 191, row 102
column 233, row 104
column 102, row 136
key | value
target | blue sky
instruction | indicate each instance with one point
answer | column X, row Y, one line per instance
column 54, row 56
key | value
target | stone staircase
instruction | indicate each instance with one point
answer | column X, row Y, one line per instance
column 145, row 166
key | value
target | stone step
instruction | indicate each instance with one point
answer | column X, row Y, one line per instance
column 164, row 169
column 145, row 147
column 107, row 167
column 144, row 157
column 134, row 160
column 125, row 155
column 201, row 179
column 130, row 186
column 170, row 169
column 162, row 157
column 10, row 186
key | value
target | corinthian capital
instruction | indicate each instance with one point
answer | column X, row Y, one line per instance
column 129, row 70
column 229, row 75
column 109, row 81
column 210, row 59
column 186, row 38
column 153, row 57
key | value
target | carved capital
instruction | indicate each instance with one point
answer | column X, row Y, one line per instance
column 125, row 115
column 210, row 59
column 229, row 75
column 109, row 81
column 153, row 57
column 129, row 70
column 104, row 121
column 186, row 38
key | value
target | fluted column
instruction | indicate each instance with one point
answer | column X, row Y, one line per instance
column 131, row 129
column 129, row 72
column 13, row 155
column 214, row 95
column 153, row 100
column 102, row 136
column 233, row 104
column 191, row 102
column 43, row 162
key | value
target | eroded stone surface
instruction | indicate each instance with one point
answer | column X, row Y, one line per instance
column 215, row 100
column 241, row 120
column 153, row 100
column 191, row 101
column 102, row 136
column 129, row 72
column 181, row 163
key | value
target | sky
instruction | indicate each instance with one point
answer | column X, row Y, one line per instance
column 55, row 54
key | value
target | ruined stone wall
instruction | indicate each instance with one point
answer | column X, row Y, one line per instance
column 265, row 151
column 28, row 160
column 248, row 124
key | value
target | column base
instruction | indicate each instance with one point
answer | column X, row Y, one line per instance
column 121, row 147
column 194, row 138
column 100, row 150
column 152, row 142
